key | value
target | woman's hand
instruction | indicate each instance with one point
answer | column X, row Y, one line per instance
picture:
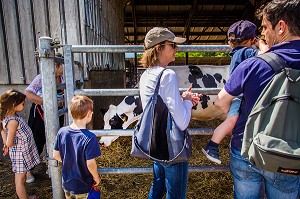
column 196, row 98
column 187, row 94
column 193, row 97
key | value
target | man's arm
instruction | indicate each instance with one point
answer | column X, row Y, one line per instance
column 92, row 167
column 223, row 101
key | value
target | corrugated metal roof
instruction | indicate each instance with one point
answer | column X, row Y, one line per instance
column 200, row 21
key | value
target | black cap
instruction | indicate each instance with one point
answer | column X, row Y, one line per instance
column 241, row 31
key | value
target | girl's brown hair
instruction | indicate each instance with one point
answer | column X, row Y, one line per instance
column 8, row 101
column 80, row 105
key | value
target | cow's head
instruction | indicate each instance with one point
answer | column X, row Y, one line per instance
column 117, row 121
column 121, row 116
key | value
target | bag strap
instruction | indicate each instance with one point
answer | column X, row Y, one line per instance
column 276, row 63
column 158, row 82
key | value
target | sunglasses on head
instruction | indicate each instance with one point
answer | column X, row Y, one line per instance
column 174, row 45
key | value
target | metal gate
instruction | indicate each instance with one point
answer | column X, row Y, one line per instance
column 46, row 55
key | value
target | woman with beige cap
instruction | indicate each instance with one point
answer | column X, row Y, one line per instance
column 160, row 48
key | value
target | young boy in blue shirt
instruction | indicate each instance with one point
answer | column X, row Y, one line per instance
column 76, row 147
column 241, row 37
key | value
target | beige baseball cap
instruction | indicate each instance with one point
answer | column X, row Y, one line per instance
column 158, row 34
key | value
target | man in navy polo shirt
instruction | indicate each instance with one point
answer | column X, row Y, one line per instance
column 281, row 28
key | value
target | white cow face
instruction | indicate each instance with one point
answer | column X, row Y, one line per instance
column 121, row 116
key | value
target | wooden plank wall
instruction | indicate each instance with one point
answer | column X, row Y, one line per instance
column 104, row 25
column 23, row 22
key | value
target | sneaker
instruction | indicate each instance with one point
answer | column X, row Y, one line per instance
column 30, row 179
column 212, row 153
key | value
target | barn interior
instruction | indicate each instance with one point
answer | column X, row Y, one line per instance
column 201, row 22
column 111, row 22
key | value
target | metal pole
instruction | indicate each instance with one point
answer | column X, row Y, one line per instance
column 135, row 91
column 140, row 48
column 46, row 55
column 69, row 78
column 149, row 170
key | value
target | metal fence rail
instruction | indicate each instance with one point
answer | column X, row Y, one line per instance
column 46, row 56
column 134, row 91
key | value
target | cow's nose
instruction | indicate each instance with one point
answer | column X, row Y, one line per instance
column 116, row 123
column 112, row 122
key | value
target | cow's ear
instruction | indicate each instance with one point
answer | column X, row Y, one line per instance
column 124, row 117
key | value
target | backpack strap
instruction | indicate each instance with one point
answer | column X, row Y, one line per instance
column 158, row 82
column 276, row 63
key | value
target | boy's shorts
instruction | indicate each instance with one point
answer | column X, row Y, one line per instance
column 234, row 107
column 69, row 195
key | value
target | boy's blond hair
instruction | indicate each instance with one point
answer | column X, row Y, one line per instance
column 80, row 105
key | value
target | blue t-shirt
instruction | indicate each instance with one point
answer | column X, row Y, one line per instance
column 76, row 146
column 239, row 54
column 251, row 77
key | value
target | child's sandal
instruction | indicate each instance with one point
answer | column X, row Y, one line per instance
column 33, row 197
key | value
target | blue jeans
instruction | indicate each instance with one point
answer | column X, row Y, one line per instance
column 234, row 107
column 249, row 180
column 170, row 178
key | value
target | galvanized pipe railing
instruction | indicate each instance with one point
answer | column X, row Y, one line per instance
column 46, row 55
column 51, row 113
column 129, row 132
column 141, row 170
column 68, row 50
column 135, row 91
column 149, row 170
column 140, row 48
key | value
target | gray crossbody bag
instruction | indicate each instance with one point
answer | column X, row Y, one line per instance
column 157, row 137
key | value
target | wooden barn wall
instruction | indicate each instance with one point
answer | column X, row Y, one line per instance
column 23, row 22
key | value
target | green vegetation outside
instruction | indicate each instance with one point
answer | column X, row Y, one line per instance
column 198, row 54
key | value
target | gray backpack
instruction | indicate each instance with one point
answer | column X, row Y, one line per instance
column 272, row 134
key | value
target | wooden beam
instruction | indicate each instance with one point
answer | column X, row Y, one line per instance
column 220, row 41
column 187, row 2
column 190, row 34
column 188, row 21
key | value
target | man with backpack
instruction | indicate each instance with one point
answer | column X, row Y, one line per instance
column 281, row 29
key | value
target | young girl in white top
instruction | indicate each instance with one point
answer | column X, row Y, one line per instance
column 17, row 139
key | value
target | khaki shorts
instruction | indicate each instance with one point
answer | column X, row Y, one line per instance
column 75, row 196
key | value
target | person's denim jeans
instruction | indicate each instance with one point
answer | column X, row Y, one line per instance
column 248, row 180
column 234, row 107
column 169, row 178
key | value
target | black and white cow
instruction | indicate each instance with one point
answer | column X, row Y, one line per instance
column 201, row 76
